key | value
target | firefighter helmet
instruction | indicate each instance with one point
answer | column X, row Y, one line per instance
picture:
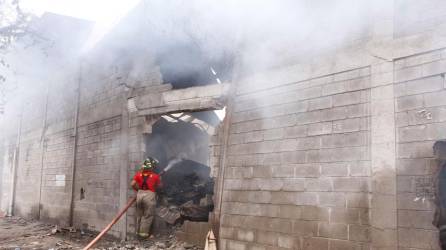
column 149, row 163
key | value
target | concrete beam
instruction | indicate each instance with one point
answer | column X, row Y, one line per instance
column 209, row 97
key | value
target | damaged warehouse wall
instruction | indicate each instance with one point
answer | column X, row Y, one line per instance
column 336, row 153
column 333, row 152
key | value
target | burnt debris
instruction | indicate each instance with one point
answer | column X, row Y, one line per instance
column 187, row 193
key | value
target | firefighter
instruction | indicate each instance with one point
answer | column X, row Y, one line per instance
column 146, row 183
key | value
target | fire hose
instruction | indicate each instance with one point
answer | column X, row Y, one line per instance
column 109, row 226
column 129, row 204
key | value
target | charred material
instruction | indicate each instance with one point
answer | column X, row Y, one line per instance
column 187, row 192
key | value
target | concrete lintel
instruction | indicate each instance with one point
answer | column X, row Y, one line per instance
column 210, row 97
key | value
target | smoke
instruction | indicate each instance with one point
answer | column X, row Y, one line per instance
column 175, row 161
column 260, row 32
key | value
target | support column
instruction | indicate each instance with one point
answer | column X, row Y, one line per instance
column 383, row 155
column 123, row 170
column 384, row 234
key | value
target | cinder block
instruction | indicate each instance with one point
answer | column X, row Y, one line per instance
column 423, row 85
column 306, row 170
column 345, row 215
column 256, row 247
column 413, row 133
column 347, row 98
column 408, row 201
column 293, row 184
column 358, row 84
column 360, row 168
column 416, row 219
column 292, row 157
column 358, row 110
column 309, row 143
column 306, row 198
column 435, row 99
column 262, row 172
column 414, row 167
column 259, row 196
column 415, row 150
column 296, row 131
column 254, row 136
column 405, row 184
column 318, row 184
column 235, row 245
column 332, row 199
column 315, row 213
column 315, row 243
column 417, row 238
column 286, row 171
column 433, row 68
column 407, row 74
column 279, row 225
column 285, row 241
column 309, row 117
column 411, row 102
column 422, row 58
column 347, row 125
column 320, row 128
column 359, row 233
column 268, row 238
column 290, row 212
column 337, row 113
column 274, row 134
column 334, row 169
column 305, row 228
column 271, row 184
column 284, row 198
column 344, row 245
column 227, row 232
column 245, row 235
column 402, row 119
column 358, row 200
column 355, row 184
column 333, row 230
column 309, row 93
column 334, row 88
column 320, row 103
column 425, row 116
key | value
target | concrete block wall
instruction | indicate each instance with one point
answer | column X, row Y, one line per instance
column 56, row 177
column 97, row 173
column 194, row 232
column 29, row 173
column 29, row 157
column 57, row 149
column 298, row 166
column 420, row 96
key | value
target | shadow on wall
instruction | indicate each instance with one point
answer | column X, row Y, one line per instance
column 439, row 219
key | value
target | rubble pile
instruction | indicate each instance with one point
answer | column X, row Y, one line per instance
column 187, row 193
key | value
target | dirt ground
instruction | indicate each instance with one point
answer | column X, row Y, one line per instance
column 18, row 234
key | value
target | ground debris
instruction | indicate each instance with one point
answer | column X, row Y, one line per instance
column 19, row 233
column 153, row 243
